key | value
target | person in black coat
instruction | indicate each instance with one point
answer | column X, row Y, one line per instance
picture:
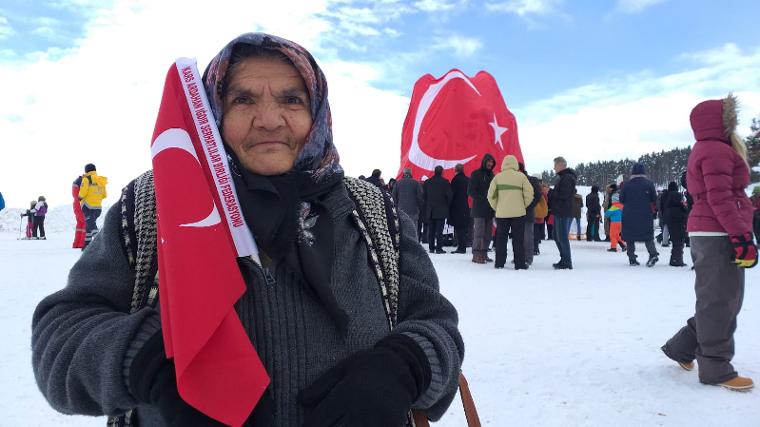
column 377, row 179
column 638, row 197
column 459, row 211
column 675, row 218
column 593, row 215
column 437, row 201
column 482, row 213
column 562, row 206
column 407, row 194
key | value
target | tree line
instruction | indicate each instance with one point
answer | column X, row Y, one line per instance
column 661, row 167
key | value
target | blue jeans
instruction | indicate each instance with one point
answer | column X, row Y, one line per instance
column 561, row 230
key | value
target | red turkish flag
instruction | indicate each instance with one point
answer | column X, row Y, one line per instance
column 218, row 370
column 456, row 119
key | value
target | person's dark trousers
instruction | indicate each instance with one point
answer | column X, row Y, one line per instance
column 592, row 229
column 90, row 223
column 561, row 231
column 38, row 227
column 461, row 232
column 676, row 253
column 606, row 229
column 530, row 218
column 435, row 236
column 538, row 230
column 481, row 235
column 425, row 226
column 631, row 249
column 503, row 227
column 550, row 229
column 709, row 335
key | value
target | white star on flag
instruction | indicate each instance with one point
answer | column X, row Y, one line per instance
column 498, row 131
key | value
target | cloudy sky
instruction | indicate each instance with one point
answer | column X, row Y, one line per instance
column 81, row 80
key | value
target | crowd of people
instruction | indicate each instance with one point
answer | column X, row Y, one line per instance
column 488, row 209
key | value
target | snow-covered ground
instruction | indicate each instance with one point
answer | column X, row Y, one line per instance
column 543, row 347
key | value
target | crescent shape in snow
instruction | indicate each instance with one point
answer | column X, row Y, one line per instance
column 416, row 155
column 180, row 139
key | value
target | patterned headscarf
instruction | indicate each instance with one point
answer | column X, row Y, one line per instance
column 319, row 155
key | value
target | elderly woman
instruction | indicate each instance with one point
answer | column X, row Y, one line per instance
column 313, row 309
column 720, row 228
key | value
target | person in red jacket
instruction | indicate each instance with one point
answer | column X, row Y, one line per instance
column 720, row 229
column 79, row 232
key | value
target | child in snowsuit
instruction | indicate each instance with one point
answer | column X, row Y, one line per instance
column 29, row 214
column 615, row 215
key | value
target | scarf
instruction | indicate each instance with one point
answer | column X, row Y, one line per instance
column 285, row 212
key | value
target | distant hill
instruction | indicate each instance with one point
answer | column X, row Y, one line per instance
column 59, row 219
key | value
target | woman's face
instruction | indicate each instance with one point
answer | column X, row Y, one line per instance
column 266, row 114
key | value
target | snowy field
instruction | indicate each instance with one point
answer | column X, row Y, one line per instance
column 543, row 348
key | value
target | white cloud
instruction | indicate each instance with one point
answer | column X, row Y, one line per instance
column 461, row 46
column 636, row 6
column 637, row 113
column 434, row 5
column 524, row 7
column 5, row 28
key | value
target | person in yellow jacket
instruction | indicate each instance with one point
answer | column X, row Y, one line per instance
column 509, row 194
column 92, row 191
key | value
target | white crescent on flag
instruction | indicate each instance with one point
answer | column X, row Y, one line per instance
column 180, row 139
column 416, row 155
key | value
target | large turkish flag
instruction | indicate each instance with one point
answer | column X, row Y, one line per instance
column 456, row 119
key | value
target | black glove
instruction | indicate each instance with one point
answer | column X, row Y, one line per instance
column 370, row 388
column 152, row 380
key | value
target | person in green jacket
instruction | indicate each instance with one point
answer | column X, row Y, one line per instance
column 509, row 195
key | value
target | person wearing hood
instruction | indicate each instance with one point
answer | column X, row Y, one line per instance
column 340, row 344
column 638, row 197
column 482, row 213
column 674, row 216
column 437, row 201
column 92, row 191
column 722, row 246
column 562, row 204
column 593, row 215
column 407, row 193
column 510, row 193
column 459, row 211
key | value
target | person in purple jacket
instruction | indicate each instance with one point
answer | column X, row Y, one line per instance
column 720, row 229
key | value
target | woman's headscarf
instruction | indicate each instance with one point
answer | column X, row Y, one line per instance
column 318, row 155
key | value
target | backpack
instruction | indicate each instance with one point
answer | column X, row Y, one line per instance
column 542, row 208
column 375, row 217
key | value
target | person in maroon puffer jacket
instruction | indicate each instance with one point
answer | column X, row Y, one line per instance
column 720, row 228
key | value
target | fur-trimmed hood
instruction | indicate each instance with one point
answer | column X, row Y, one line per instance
column 715, row 119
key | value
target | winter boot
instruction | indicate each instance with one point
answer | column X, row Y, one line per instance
column 738, row 384
column 686, row 366
column 677, row 263
column 612, row 250
column 633, row 262
column 652, row 261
